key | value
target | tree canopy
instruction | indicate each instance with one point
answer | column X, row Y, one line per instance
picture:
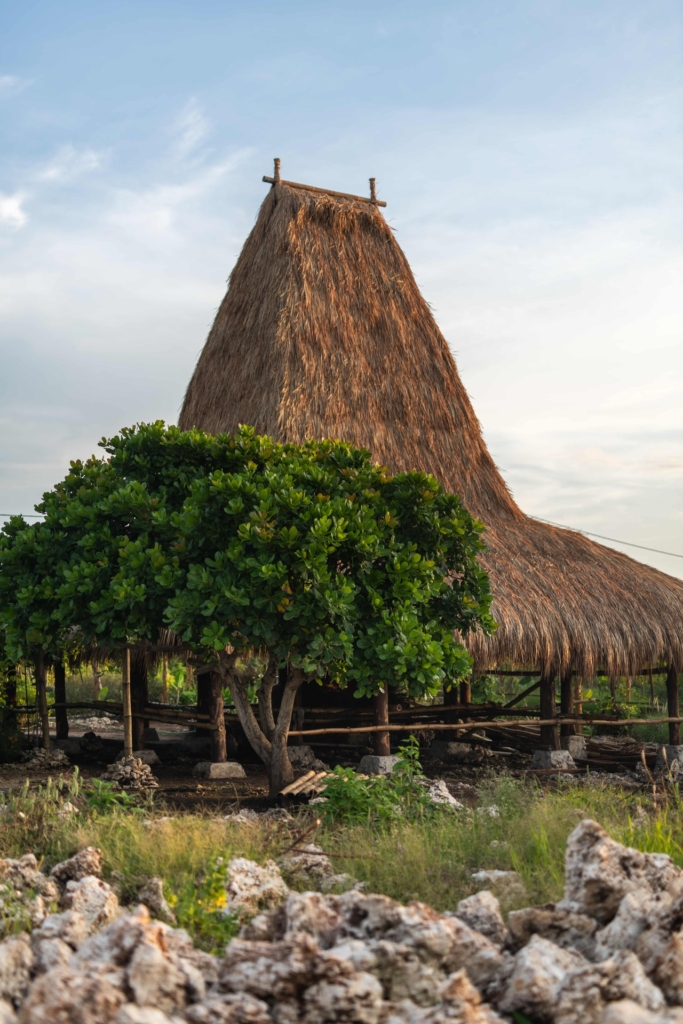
column 309, row 552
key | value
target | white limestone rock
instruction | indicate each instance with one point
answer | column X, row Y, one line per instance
column 252, row 888
column 564, row 928
column 88, row 861
column 599, row 872
column 539, row 970
column 94, row 899
column 151, row 893
column 482, row 913
column 506, row 885
column 440, row 794
column 16, row 964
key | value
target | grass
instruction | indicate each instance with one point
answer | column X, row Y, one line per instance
column 515, row 826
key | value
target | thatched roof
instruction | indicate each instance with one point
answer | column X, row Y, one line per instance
column 324, row 333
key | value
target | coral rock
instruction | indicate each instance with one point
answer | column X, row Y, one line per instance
column 482, row 912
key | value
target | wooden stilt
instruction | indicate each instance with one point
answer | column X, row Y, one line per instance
column 127, row 705
column 567, row 703
column 61, row 717
column 219, row 747
column 41, row 693
column 139, row 697
column 549, row 737
column 382, row 739
column 672, row 705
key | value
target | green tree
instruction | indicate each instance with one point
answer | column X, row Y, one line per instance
column 313, row 556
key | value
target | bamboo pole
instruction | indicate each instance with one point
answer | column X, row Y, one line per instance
column 127, row 706
column 461, row 726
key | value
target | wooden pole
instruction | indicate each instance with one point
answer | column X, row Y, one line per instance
column 61, row 717
column 164, row 679
column 139, row 697
column 382, row 739
column 672, row 705
column 549, row 738
column 578, row 702
column 466, row 691
column 219, row 746
column 567, row 703
column 41, row 693
column 127, row 706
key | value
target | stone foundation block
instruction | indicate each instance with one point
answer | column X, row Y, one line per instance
column 673, row 753
column 576, row 745
column 220, row 770
column 558, row 759
column 373, row 764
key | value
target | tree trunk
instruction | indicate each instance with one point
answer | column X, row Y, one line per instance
column 41, row 694
column 567, row 703
column 139, row 696
column 549, row 738
column 382, row 741
column 219, row 746
column 61, row 717
column 672, row 705
column 271, row 750
column 97, row 677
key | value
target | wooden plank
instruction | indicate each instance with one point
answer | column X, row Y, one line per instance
column 324, row 191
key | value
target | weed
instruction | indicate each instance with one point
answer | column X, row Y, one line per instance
column 199, row 906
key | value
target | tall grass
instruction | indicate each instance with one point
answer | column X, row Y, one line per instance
column 516, row 826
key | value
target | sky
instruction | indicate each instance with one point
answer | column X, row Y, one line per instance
column 531, row 156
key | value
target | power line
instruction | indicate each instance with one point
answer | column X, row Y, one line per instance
column 28, row 515
column 563, row 526
column 589, row 533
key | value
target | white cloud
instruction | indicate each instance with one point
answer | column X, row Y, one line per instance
column 11, row 212
column 70, row 163
column 10, row 84
column 191, row 128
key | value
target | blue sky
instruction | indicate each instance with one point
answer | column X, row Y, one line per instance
column 531, row 157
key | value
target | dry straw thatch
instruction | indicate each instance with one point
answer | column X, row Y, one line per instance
column 324, row 333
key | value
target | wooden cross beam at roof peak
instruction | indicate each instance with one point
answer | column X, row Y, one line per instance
column 277, row 180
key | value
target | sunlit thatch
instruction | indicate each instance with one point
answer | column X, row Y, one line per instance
column 324, row 333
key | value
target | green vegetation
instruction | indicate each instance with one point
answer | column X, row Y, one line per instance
column 310, row 555
column 428, row 857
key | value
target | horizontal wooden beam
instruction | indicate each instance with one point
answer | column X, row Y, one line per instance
column 461, row 726
column 324, row 191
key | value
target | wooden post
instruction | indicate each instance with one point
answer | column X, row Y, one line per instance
column 10, row 687
column 672, row 705
column 567, row 703
column 164, row 679
column 41, row 693
column 219, row 747
column 138, row 696
column 382, row 739
column 466, row 691
column 578, row 702
column 127, row 706
column 549, row 738
column 61, row 717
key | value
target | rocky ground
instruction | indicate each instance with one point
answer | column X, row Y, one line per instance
column 611, row 952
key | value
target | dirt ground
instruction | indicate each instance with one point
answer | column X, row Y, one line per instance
column 180, row 789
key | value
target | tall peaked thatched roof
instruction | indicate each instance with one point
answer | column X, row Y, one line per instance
column 324, row 333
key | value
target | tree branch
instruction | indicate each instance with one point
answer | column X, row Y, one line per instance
column 294, row 680
column 265, row 697
column 245, row 711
